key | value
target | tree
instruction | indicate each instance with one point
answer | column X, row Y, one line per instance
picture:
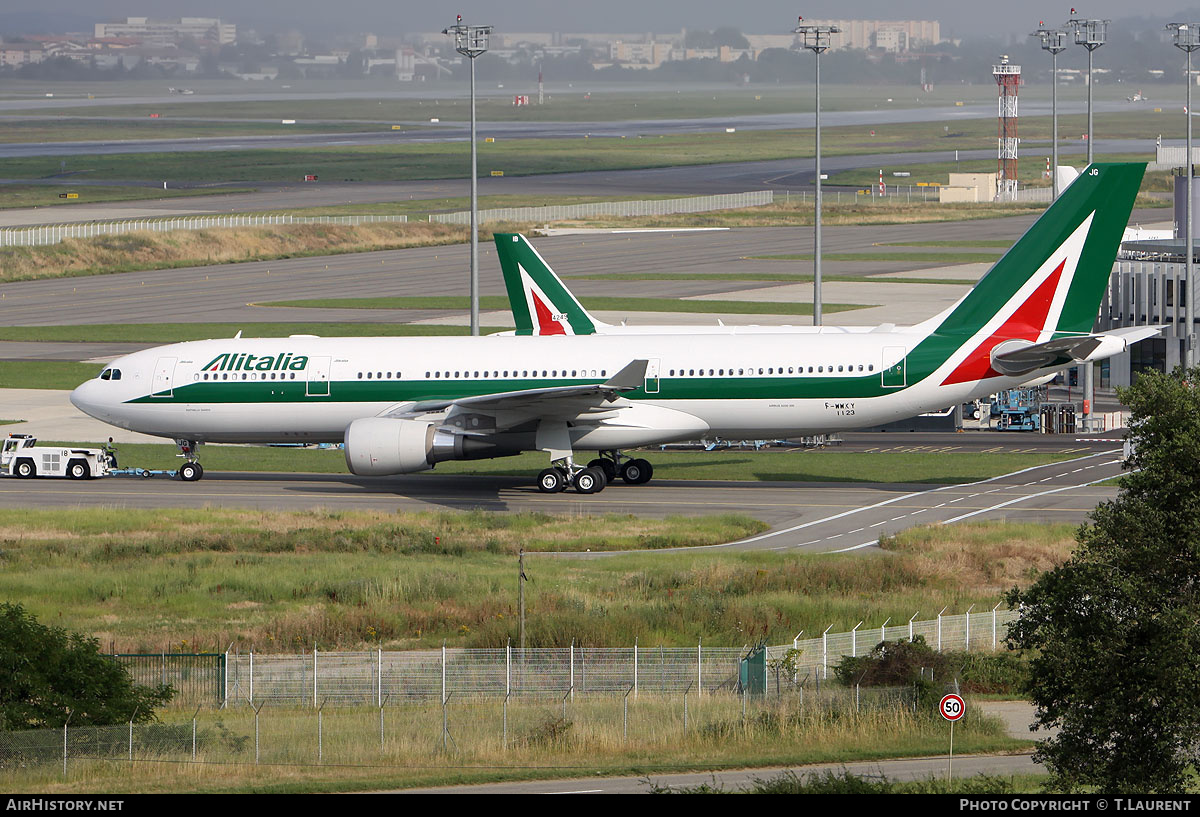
column 48, row 674
column 1114, row 629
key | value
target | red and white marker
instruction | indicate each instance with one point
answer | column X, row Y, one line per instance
column 952, row 707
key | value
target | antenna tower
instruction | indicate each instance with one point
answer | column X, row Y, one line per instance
column 1008, row 80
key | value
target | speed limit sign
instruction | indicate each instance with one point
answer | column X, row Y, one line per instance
column 952, row 707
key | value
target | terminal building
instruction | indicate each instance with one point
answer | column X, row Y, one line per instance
column 1149, row 287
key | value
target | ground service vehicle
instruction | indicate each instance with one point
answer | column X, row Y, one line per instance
column 22, row 457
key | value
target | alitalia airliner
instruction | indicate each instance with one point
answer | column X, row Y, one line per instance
column 403, row 405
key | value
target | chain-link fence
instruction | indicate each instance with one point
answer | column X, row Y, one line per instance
column 470, row 729
column 54, row 233
column 654, row 207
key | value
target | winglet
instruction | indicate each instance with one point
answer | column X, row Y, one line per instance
column 629, row 378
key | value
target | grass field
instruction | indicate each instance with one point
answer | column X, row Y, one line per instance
column 35, row 195
column 406, row 161
column 1029, row 172
column 149, row 580
column 454, row 302
column 68, row 129
column 592, row 738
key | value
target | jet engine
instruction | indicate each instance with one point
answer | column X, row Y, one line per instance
column 377, row 446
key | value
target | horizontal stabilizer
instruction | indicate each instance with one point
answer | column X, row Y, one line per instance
column 1018, row 357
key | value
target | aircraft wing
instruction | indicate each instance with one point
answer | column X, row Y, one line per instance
column 1018, row 359
column 563, row 402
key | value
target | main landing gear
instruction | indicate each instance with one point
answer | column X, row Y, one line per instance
column 191, row 470
column 599, row 472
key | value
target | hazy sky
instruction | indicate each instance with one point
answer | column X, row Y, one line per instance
column 959, row 17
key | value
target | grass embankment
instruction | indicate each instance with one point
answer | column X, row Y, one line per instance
column 542, row 743
column 823, row 465
column 142, row 251
column 282, row 582
column 189, row 248
column 454, row 302
column 36, row 195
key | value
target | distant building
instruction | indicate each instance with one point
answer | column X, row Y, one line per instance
column 15, row 55
column 885, row 35
column 164, row 32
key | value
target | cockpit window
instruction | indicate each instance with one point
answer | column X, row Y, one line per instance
column 106, row 374
column 116, row 374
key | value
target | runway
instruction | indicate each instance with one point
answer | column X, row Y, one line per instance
column 805, row 517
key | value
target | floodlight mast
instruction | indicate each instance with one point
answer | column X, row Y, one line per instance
column 471, row 41
column 1052, row 41
column 816, row 39
column 1091, row 34
column 1187, row 39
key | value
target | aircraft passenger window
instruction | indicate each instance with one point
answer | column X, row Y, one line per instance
column 789, row 369
column 293, row 376
column 476, row 374
column 368, row 375
column 760, row 370
column 771, row 370
column 860, row 367
column 456, row 374
column 244, row 377
column 360, row 375
column 544, row 374
column 389, row 375
column 554, row 373
column 398, row 375
column 437, row 374
column 721, row 372
column 672, row 373
column 819, row 368
column 871, row 367
column 604, row 372
column 572, row 373
column 710, row 372
column 206, row 376
column 195, row 377
column 691, row 372
column 839, row 368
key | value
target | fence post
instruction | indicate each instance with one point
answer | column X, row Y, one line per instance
column 572, row 691
column 314, row 676
column 507, row 670
column 69, row 714
column 854, row 640
column 994, row 625
column 939, row 621
column 968, row 636
column 381, row 704
column 883, row 630
column 699, row 664
column 321, row 732
column 626, row 723
column 225, row 681
column 635, row 667
column 131, row 717
column 194, row 714
column 443, row 675
column 825, row 650
column 910, row 625
column 504, row 732
column 379, row 677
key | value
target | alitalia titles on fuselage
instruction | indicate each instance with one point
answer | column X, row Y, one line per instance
column 234, row 362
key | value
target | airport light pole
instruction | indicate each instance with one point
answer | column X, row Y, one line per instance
column 1052, row 41
column 471, row 41
column 1091, row 34
column 816, row 39
column 1187, row 39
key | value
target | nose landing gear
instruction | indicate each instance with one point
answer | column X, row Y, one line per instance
column 191, row 470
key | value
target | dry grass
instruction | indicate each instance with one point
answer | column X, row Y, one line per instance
column 185, row 248
column 986, row 557
column 541, row 742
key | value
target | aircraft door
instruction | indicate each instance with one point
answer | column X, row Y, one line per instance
column 652, row 376
column 894, row 374
column 318, row 377
column 164, row 377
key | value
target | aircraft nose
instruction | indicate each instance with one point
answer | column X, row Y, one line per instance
column 85, row 398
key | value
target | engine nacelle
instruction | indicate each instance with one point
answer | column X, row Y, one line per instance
column 376, row 446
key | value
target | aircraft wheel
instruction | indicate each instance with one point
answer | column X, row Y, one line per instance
column 26, row 469
column 637, row 472
column 190, row 471
column 77, row 469
column 590, row 481
column 607, row 466
column 551, row 481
